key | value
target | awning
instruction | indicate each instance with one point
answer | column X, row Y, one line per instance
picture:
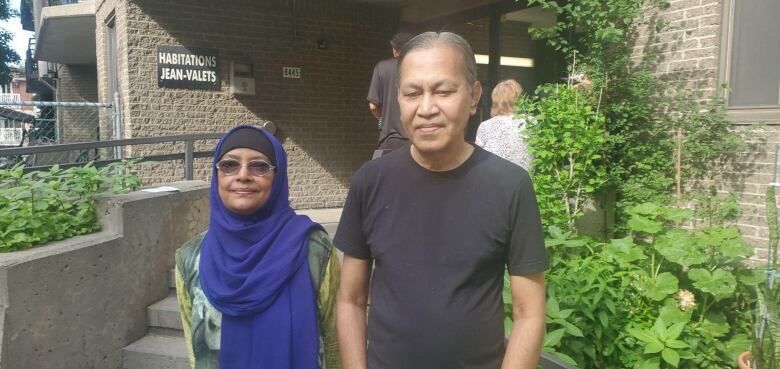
column 67, row 34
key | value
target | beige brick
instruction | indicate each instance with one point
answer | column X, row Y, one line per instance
column 683, row 4
column 703, row 10
column 322, row 116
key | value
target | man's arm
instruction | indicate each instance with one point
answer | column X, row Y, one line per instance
column 525, row 343
column 351, row 312
column 376, row 110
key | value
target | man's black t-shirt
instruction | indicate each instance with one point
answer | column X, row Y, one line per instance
column 384, row 92
column 440, row 242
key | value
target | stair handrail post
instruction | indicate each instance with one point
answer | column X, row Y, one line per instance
column 188, row 149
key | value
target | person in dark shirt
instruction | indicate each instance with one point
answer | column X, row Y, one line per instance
column 441, row 220
column 383, row 98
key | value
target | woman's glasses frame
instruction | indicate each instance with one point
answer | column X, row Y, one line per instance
column 257, row 168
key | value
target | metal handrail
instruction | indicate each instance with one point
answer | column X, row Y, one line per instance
column 188, row 155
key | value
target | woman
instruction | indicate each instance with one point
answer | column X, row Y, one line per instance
column 502, row 134
column 256, row 290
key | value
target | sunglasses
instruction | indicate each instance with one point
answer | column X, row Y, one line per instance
column 257, row 168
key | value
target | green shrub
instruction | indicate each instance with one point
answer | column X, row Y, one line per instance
column 39, row 207
column 566, row 137
column 661, row 297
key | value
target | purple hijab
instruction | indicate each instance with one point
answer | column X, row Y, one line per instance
column 254, row 269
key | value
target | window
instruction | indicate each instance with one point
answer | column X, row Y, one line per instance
column 750, row 63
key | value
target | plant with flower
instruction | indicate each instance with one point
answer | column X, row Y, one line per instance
column 661, row 297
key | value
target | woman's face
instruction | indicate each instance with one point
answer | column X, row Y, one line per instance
column 243, row 192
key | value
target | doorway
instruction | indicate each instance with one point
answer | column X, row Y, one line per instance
column 500, row 37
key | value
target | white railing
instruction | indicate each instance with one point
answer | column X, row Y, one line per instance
column 6, row 98
column 10, row 136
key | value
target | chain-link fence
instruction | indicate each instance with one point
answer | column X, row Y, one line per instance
column 35, row 123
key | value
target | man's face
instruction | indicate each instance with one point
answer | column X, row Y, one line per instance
column 435, row 98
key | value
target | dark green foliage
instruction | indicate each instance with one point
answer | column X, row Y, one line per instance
column 766, row 326
column 39, row 207
column 642, row 113
column 661, row 297
column 8, row 57
column 566, row 138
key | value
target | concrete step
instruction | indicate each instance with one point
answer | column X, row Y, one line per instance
column 156, row 352
column 329, row 218
column 170, row 332
column 164, row 313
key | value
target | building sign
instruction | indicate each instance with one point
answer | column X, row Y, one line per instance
column 291, row 72
column 191, row 68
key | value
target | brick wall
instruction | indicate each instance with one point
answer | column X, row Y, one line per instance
column 77, row 83
column 690, row 45
column 322, row 117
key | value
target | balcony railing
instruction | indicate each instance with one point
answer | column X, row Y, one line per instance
column 7, row 99
column 10, row 136
column 59, row 2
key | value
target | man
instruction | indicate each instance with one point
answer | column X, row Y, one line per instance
column 383, row 98
column 440, row 220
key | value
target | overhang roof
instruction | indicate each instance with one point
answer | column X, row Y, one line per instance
column 67, row 34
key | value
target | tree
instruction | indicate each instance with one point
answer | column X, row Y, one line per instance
column 8, row 57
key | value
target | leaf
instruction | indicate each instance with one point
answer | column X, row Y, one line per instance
column 562, row 356
column 624, row 250
column 654, row 347
column 555, row 232
column 639, row 223
column 661, row 287
column 738, row 344
column 720, row 283
column 551, row 339
column 553, row 310
column 735, row 248
column 603, row 319
column 716, row 324
column 751, row 277
column 659, row 328
column 671, row 356
column 687, row 355
column 676, row 214
column 575, row 243
column 508, row 325
column 565, row 313
column 647, row 208
column 650, row 363
column 676, row 344
column 572, row 329
column 680, row 248
column 642, row 335
column 672, row 314
column 674, row 331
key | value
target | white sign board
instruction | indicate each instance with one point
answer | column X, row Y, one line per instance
column 291, row 72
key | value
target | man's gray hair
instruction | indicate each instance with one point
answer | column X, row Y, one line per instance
column 428, row 40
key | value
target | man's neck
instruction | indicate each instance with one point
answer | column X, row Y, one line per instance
column 443, row 160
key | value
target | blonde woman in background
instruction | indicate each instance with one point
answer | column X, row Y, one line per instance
column 501, row 134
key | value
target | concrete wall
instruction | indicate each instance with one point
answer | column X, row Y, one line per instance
column 76, row 303
column 322, row 117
